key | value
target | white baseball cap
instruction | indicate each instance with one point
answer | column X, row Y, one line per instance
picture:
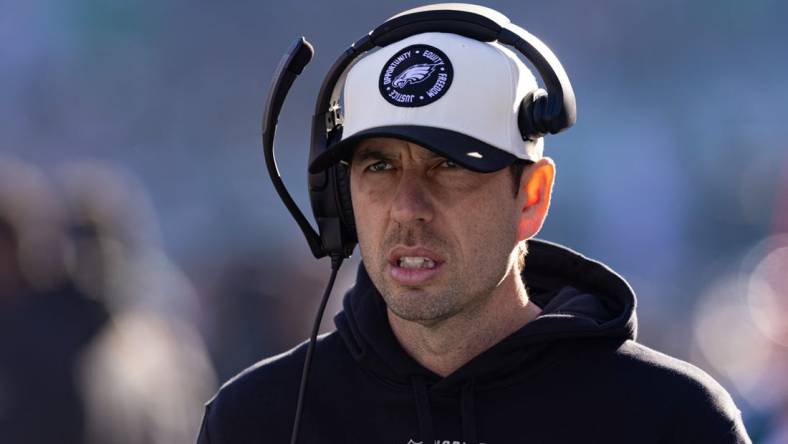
column 454, row 95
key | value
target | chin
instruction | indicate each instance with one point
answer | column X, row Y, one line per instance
column 419, row 306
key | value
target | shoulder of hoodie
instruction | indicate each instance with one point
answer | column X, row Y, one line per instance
column 263, row 397
column 699, row 407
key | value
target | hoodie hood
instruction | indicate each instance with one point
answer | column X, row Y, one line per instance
column 579, row 297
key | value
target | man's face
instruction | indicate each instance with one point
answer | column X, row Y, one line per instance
column 436, row 239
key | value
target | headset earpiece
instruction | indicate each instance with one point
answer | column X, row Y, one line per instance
column 345, row 201
column 341, row 173
column 531, row 117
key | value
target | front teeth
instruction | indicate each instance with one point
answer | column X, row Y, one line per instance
column 416, row 262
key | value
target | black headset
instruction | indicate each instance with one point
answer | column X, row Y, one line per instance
column 543, row 111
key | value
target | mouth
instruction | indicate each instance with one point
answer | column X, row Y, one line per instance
column 414, row 266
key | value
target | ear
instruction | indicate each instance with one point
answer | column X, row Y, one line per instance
column 536, row 188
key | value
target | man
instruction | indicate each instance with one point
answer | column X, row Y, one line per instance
column 451, row 333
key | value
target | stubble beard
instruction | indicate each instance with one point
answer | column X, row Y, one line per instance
column 424, row 305
column 420, row 305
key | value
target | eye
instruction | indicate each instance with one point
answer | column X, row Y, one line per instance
column 449, row 164
column 381, row 165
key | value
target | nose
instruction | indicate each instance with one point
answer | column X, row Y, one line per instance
column 412, row 201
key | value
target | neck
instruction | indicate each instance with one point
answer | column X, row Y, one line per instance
column 446, row 345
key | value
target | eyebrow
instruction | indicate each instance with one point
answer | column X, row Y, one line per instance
column 374, row 153
column 367, row 153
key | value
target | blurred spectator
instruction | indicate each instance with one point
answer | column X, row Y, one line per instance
column 44, row 321
column 749, row 307
column 146, row 375
column 96, row 337
column 31, row 216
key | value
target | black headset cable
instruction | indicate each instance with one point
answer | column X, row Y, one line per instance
column 336, row 262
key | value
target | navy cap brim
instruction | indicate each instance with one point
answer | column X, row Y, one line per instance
column 466, row 151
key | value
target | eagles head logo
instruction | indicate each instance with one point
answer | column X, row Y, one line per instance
column 415, row 76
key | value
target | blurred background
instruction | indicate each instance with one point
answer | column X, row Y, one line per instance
column 145, row 257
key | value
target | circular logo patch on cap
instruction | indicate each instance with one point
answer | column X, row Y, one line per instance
column 416, row 76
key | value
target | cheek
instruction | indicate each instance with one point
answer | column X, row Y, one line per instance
column 486, row 226
column 369, row 217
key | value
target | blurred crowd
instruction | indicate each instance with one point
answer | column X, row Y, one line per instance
column 97, row 335
column 103, row 339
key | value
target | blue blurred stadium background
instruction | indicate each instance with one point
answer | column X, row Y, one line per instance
column 676, row 173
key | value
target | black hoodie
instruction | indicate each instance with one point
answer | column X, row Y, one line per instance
column 573, row 375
